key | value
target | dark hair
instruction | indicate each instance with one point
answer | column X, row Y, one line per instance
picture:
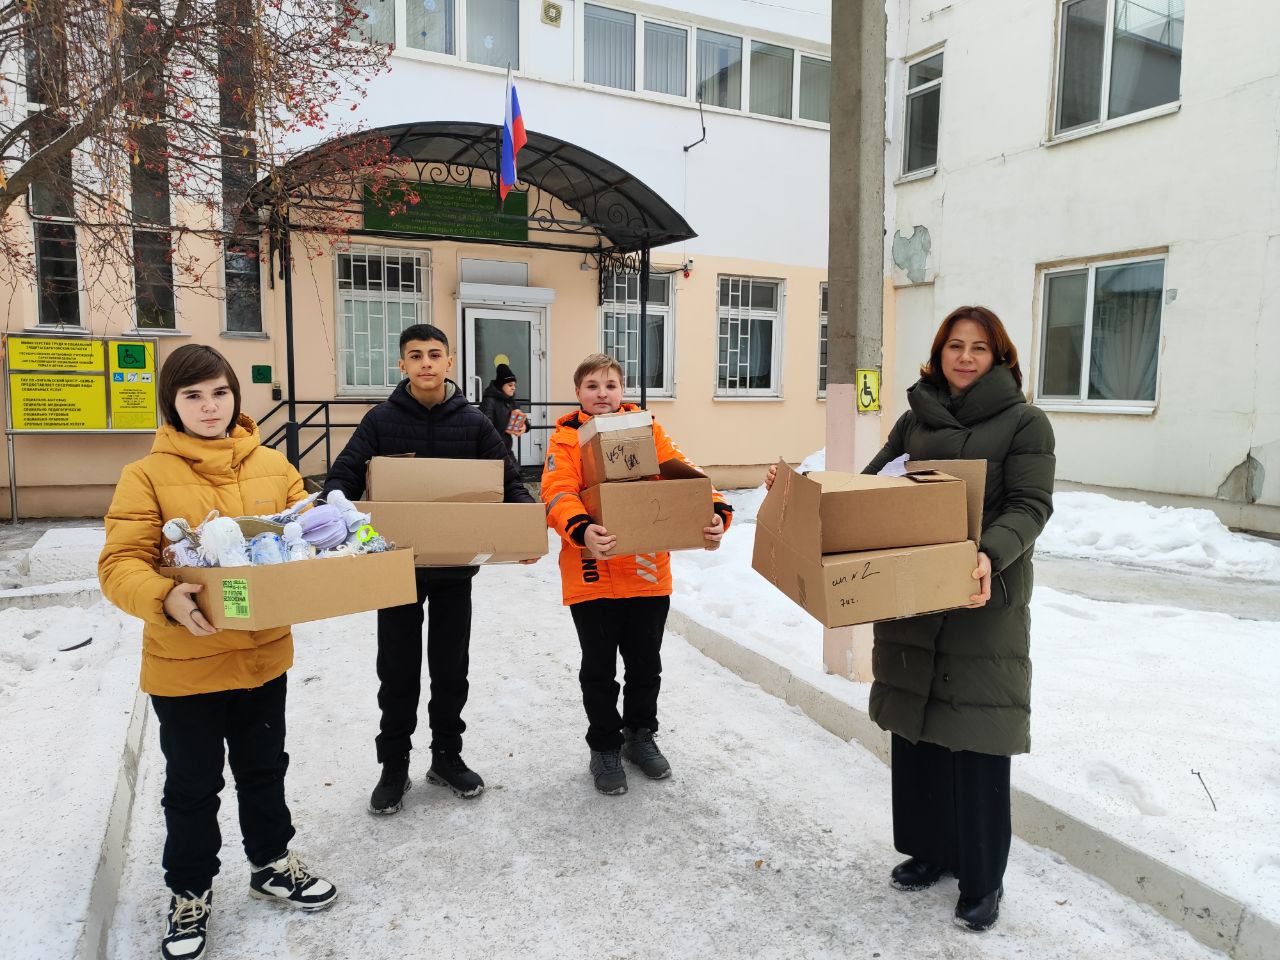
column 422, row 331
column 193, row 363
column 1002, row 348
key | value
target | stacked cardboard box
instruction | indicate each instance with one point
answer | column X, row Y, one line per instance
column 854, row 549
column 450, row 512
column 650, row 507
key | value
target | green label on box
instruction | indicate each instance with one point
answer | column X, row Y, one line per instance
column 235, row 599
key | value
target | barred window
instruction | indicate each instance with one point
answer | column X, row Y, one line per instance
column 822, row 341
column 381, row 290
column 750, row 348
column 620, row 331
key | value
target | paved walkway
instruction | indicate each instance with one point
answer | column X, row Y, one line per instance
column 772, row 839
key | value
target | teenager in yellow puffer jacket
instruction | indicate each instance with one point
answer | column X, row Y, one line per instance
column 208, row 687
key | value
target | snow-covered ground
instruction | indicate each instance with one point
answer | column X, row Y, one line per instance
column 1127, row 700
column 63, row 715
column 772, row 839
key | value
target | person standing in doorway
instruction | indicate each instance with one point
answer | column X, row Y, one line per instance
column 427, row 415
column 499, row 403
column 954, row 688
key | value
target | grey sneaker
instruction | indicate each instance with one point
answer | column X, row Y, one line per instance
column 606, row 767
column 641, row 750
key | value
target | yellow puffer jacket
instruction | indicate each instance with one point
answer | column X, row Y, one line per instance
column 187, row 477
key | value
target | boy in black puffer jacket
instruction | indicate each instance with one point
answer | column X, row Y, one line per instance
column 428, row 416
column 498, row 402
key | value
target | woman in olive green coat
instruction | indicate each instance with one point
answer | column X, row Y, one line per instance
column 954, row 688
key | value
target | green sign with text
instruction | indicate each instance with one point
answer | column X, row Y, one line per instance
column 446, row 210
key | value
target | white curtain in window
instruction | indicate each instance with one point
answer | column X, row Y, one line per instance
column 493, row 32
column 610, row 47
column 720, row 69
column 1126, row 331
column 430, row 25
column 772, row 68
column 380, row 25
column 815, row 90
column 665, row 58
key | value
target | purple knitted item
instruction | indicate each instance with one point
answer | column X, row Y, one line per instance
column 324, row 527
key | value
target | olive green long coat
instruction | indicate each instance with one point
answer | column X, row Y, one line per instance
column 962, row 679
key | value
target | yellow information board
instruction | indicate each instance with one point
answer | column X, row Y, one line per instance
column 55, row 353
column 133, row 384
column 867, row 385
column 73, row 384
column 57, row 401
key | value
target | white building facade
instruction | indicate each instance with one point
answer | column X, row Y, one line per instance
column 1105, row 175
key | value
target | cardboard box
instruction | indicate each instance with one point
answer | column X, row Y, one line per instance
column 282, row 594
column 462, row 534
column 851, row 587
column 652, row 516
column 617, row 447
column 860, row 512
column 426, row 480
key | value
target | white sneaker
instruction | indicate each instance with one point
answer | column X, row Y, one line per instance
column 288, row 881
column 187, row 932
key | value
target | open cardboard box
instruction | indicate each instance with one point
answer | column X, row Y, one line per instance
column 282, row 594
column 617, row 447
column 861, row 586
column 410, row 479
column 654, row 516
column 462, row 534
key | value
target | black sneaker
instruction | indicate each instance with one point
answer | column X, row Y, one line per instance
column 188, row 929
column 606, row 768
column 449, row 770
column 640, row 749
column 388, row 795
column 288, row 881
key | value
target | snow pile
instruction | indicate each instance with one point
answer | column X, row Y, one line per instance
column 1097, row 527
column 66, row 553
column 68, row 676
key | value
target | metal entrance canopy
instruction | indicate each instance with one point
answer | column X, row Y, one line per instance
column 579, row 201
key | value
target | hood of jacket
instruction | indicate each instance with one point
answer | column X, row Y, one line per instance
column 454, row 399
column 216, row 459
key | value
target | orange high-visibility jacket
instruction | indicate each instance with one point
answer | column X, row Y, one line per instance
column 187, row 477
column 582, row 576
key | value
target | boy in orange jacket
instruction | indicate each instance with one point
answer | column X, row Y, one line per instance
column 618, row 603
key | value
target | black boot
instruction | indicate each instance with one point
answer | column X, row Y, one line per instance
column 640, row 749
column 606, row 770
column 448, row 770
column 388, row 795
column 913, row 874
column 979, row 913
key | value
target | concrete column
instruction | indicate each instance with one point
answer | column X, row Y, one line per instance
column 856, row 268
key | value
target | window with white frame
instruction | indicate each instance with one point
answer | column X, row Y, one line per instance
column 822, row 341
column 772, row 75
column 720, row 69
column 241, row 270
column 493, row 32
column 749, row 358
column 609, row 56
column 381, row 290
column 430, row 25
column 376, row 22
column 620, row 331
column 1116, row 58
column 52, row 208
column 666, row 59
column 921, row 114
column 815, row 89
column 1100, row 333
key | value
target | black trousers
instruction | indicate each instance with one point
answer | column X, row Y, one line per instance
column 634, row 626
column 192, row 732
column 951, row 807
column 447, row 593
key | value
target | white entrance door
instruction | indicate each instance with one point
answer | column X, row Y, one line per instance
column 513, row 337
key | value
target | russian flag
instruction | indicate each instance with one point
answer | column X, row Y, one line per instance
column 513, row 138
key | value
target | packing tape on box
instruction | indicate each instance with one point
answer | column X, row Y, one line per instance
column 479, row 558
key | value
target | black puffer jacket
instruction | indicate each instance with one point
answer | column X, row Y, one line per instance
column 497, row 406
column 453, row 429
